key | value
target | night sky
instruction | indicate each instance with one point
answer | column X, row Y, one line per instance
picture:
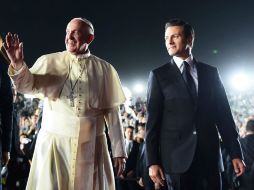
column 130, row 33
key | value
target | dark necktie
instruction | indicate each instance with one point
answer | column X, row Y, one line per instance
column 189, row 81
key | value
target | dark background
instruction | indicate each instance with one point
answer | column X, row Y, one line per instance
column 130, row 33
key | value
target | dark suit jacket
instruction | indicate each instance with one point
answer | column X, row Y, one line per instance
column 6, row 108
column 176, row 128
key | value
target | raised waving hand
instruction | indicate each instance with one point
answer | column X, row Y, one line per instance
column 14, row 50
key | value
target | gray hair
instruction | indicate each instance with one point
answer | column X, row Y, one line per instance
column 88, row 23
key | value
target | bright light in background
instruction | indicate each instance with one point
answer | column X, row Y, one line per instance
column 128, row 96
column 138, row 88
column 127, row 92
column 241, row 81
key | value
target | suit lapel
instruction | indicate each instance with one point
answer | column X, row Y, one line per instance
column 202, row 85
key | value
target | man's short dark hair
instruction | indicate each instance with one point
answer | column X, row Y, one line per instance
column 250, row 125
column 130, row 127
column 187, row 28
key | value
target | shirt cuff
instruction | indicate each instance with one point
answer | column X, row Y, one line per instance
column 13, row 72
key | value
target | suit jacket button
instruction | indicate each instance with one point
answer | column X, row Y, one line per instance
column 194, row 132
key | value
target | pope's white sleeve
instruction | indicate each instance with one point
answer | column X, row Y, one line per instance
column 114, row 123
column 22, row 79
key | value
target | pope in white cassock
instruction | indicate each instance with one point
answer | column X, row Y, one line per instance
column 81, row 93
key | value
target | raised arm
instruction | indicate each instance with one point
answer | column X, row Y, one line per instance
column 14, row 50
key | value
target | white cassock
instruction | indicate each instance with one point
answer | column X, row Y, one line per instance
column 71, row 149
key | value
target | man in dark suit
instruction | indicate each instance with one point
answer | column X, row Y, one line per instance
column 187, row 110
column 5, row 113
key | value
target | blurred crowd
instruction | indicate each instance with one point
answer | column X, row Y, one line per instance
column 242, row 106
column 27, row 119
column 26, row 124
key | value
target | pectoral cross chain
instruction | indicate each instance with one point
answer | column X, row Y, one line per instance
column 71, row 97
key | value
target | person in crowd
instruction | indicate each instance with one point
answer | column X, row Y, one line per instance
column 141, row 170
column 247, row 142
column 127, row 180
column 18, row 166
column 140, row 136
column 187, row 109
column 132, row 148
column 25, row 122
column 129, row 139
column 81, row 92
column 6, row 111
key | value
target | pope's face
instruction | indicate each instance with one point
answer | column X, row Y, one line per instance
column 76, row 36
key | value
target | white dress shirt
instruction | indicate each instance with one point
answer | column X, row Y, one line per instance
column 193, row 69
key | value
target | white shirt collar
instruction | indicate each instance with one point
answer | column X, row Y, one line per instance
column 180, row 61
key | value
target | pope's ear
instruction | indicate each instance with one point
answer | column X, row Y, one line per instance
column 90, row 38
